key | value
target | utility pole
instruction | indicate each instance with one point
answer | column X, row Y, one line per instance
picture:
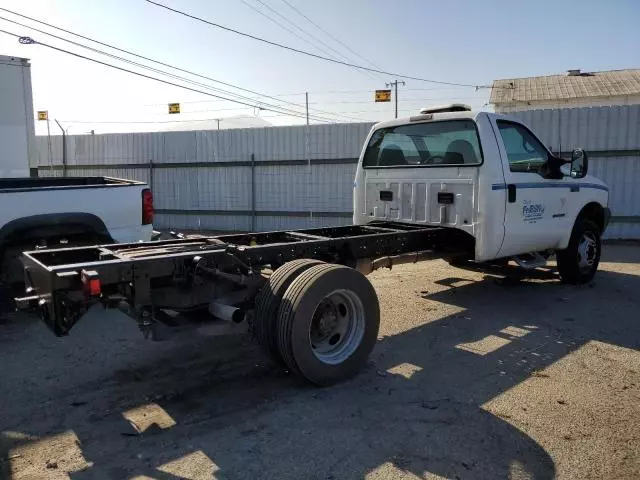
column 395, row 94
column 217, row 154
column 64, row 149
column 306, row 97
column 49, row 145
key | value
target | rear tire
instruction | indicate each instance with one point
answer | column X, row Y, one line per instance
column 268, row 301
column 328, row 324
column 578, row 263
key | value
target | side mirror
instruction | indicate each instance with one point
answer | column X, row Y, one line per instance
column 579, row 163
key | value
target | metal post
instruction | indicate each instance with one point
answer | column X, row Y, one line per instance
column 151, row 174
column 217, row 154
column 307, row 140
column 559, row 133
column 395, row 93
column 396, row 97
column 49, row 146
column 253, row 192
column 64, row 149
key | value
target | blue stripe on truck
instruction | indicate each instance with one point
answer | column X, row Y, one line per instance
column 503, row 186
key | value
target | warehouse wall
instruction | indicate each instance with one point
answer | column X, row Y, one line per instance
column 303, row 175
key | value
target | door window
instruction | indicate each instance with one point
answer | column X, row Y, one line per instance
column 524, row 151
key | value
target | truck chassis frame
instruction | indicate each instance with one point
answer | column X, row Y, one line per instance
column 58, row 281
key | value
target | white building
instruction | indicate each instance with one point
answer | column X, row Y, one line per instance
column 572, row 89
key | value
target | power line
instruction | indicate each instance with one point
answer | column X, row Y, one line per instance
column 310, row 54
column 374, row 112
column 231, row 109
column 130, row 53
column 335, row 92
column 202, row 111
column 339, row 92
column 126, row 122
column 339, row 54
column 178, row 77
column 262, row 105
column 227, row 119
column 404, row 100
column 328, row 34
column 259, row 12
column 28, row 40
column 341, row 112
column 142, row 57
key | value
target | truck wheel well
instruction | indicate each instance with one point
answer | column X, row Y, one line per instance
column 71, row 232
column 595, row 212
column 24, row 233
column 50, row 225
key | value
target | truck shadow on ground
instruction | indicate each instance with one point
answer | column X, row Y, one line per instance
column 216, row 407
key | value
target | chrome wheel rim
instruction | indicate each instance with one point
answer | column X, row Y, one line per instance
column 587, row 251
column 337, row 327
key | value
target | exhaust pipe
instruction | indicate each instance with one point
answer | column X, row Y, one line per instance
column 227, row 312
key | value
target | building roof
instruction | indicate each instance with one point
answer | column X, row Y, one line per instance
column 573, row 84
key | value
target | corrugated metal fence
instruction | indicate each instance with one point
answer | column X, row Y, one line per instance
column 299, row 177
column 246, row 179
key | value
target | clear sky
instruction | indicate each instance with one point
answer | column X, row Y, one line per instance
column 462, row 41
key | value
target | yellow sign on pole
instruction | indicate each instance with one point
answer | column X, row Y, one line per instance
column 174, row 108
column 43, row 115
column 383, row 96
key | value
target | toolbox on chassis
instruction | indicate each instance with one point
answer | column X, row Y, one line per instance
column 453, row 184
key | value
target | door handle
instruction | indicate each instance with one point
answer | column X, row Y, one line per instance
column 511, row 193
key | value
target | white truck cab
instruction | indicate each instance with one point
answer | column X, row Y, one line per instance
column 488, row 175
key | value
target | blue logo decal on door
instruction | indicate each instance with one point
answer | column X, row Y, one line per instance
column 532, row 211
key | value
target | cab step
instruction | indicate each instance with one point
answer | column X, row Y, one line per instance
column 531, row 261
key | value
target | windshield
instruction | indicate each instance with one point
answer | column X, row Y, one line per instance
column 451, row 142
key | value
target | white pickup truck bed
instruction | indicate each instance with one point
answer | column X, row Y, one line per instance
column 111, row 200
column 52, row 212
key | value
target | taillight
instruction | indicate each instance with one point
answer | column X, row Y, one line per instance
column 147, row 207
column 91, row 282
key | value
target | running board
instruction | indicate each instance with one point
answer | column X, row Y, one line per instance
column 531, row 261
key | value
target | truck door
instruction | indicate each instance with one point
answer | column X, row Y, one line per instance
column 536, row 208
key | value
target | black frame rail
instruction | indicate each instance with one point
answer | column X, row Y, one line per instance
column 56, row 278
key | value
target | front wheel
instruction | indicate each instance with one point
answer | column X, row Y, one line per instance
column 578, row 263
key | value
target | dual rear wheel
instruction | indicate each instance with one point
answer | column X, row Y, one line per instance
column 318, row 320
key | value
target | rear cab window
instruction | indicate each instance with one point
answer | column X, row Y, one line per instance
column 440, row 143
